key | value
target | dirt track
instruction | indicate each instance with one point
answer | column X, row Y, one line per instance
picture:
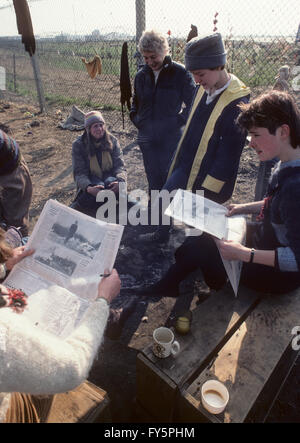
column 47, row 150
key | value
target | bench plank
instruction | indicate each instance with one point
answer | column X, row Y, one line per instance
column 85, row 404
column 248, row 359
column 214, row 321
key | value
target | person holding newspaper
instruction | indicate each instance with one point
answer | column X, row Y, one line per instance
column 271, row 254
column 97, row 164
column 36, row 365
column 208, row 154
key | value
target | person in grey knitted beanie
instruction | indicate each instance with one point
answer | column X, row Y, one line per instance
column 205, row 53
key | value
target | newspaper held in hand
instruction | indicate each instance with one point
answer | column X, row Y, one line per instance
column 205, row 215
column 61, row 278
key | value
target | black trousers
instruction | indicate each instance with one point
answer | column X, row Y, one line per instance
column 202, row 252
column 157, row 157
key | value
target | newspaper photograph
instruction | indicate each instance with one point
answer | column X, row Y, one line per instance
column 72, row 250
column 207, row 216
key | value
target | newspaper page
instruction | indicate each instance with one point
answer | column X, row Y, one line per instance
column 205, row 215
column 72, row 250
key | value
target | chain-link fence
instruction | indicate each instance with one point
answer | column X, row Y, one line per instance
column 254, row 59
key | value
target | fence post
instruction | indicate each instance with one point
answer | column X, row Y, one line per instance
column 14, row 72
column 140, row 10
column 38, row 82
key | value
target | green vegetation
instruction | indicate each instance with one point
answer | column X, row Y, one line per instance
column 67, row 55
column 256, row 63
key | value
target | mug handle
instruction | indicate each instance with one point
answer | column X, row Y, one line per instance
column 175, row 348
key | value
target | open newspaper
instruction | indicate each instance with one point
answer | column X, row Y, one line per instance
column 208, row 216
column 61, row 278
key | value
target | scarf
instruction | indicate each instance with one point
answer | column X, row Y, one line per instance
column 106, row 164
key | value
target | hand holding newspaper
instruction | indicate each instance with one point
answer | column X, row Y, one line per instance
column 208, row 216
column 61, row 278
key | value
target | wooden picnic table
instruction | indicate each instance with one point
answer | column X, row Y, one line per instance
column 245, row 342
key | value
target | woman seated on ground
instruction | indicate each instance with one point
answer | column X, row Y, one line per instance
column 271, row 255
column 97, row 164
column 35, row 365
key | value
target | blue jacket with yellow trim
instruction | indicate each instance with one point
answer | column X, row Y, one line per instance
column 219, row 163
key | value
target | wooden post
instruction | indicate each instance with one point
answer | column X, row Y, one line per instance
column 38, row 82
column 140, row 9
column 14, row 73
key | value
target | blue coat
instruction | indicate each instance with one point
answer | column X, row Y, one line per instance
column 210, row 148
column 156, row 108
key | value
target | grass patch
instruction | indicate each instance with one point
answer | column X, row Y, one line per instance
column 61, row 100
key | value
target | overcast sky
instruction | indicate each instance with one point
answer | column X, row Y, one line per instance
column 241, row 17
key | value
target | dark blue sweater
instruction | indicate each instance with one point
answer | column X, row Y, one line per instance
column 280, row 228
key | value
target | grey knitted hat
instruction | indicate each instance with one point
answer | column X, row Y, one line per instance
column 205, row 53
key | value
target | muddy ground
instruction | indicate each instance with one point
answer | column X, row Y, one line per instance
column 47, row 150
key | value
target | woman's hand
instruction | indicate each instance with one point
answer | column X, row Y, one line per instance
column 244, row 208
column 93, row 190
column 18, row 255
column 114, row 186
column 3, row 290
column 234, row 209
column 231, row 250
column 110, row 286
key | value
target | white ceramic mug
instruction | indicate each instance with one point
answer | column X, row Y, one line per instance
column 214, row 396
column 164, row 343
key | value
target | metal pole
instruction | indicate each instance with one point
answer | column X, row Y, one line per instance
column 38, row 82
column 140, row 9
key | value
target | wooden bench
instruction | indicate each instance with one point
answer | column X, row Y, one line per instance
column 85, row 404
column 244, row 342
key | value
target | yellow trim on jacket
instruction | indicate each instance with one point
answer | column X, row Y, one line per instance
column 235, row 90
column 213, row 184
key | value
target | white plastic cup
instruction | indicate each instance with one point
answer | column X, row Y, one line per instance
column 164, row 343
column 214, row 396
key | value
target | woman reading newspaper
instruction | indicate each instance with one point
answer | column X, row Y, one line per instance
column 35, row 364
column 271, row 255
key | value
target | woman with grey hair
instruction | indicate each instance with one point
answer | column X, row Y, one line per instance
column 161, row 87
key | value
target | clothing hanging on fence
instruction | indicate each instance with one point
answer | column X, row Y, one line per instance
column 125, row 84
column 94, row 66
column 24, row 25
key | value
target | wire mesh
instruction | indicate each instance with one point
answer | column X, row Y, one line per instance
column 254, row 59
